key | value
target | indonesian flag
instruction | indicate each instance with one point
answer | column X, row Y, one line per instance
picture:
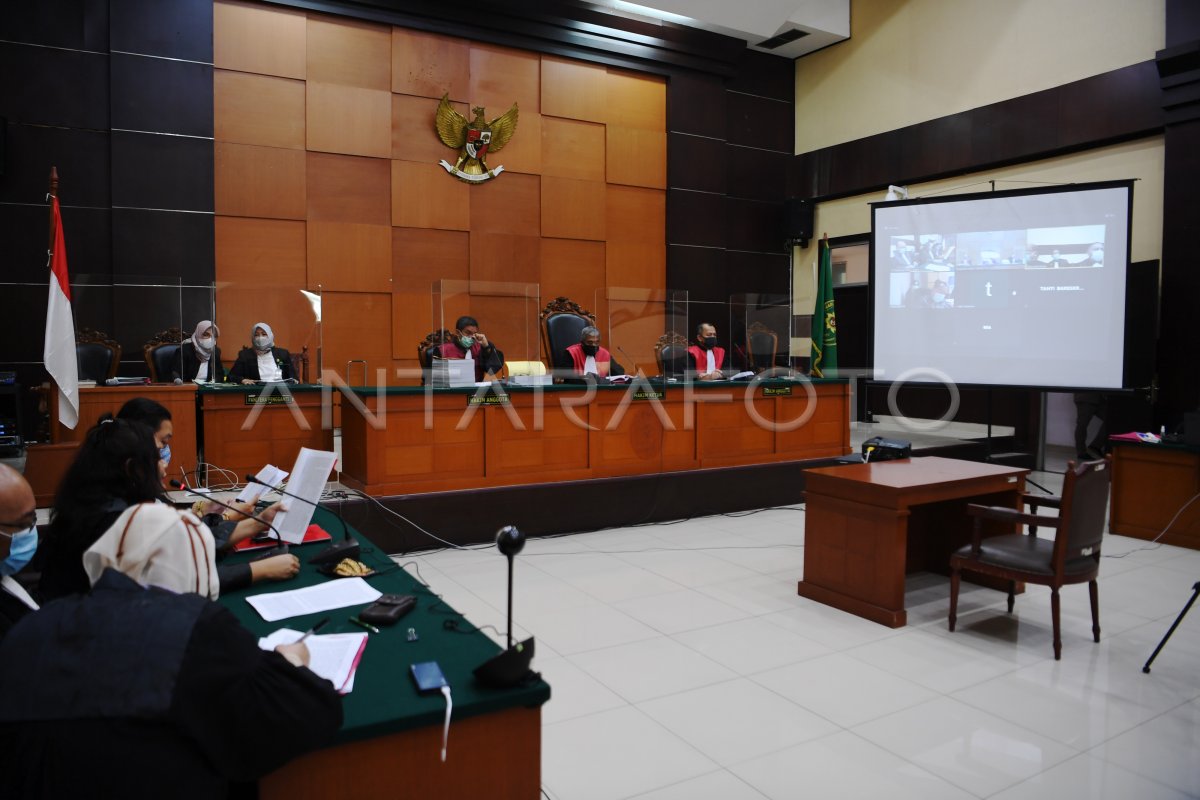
column 61, row 360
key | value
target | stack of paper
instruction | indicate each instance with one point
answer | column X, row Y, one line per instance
column 333, row 657
column 271, row 475
column 273, row 606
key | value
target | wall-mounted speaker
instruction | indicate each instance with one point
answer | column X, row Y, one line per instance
column 798, row 219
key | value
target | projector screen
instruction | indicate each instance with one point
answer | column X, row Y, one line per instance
column 1020, row 288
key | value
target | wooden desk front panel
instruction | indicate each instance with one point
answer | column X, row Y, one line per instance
column 609, row 435
column 494, row 756
column 275, row 437
column 1149, row 486
column 179, row 400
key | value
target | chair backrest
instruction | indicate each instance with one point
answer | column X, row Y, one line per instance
column 671, row 354
column 162, row 354
column 429, row 345
column 300, row 364
column 562, row 323
column 1082, row 513
column 762, row 345
column 98, row 354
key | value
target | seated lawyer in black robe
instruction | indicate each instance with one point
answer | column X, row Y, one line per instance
column 262, row 361
column 199, row 357
column 139, row 692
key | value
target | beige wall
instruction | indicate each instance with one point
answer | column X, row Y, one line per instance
column 916, row 60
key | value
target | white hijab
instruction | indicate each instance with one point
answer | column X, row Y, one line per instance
column 157, row 546
column 270, row 337
column 201, row 353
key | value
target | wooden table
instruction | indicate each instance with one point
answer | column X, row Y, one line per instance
column 448, row 439
column 867, row 525
column 1151, row 483
column 391, row 738
column 288, row 418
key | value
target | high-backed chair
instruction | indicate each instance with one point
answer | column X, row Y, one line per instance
column 99, row 355
column 762, row 345
column 671, row 354
column 562, row 323
column 300, row 364
column 162, row 354
column 1072, row 556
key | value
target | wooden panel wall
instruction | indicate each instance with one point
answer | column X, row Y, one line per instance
column 327, row 179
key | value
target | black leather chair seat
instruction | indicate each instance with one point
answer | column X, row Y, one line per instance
column 1026, row 553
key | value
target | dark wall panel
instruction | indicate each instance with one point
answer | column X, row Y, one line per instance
column 81, row 157
column 765, row 75
column 74, row 24
column 696, row 218
column 755, row 173
column 161, row 95
column 696, row 104
column 754, row 225
column 699, row 270
column 758, row 122
column 757, row 272
column 696, row 162
column 153, row 171
column 171, row 243
column 24, row 230
column 175, row 29
column 54, row 87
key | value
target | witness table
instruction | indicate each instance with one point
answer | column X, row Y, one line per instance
column 390, row 743
column 245, row 427
column 866, row 525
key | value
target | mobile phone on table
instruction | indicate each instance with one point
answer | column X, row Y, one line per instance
column 428, row 676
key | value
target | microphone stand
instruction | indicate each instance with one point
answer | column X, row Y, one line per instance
column 511, row 666
column 281, row 549
column 335, row 551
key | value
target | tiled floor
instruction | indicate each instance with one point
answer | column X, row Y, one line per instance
column 683, row 665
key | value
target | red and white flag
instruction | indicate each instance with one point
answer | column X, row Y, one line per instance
column 61, row 361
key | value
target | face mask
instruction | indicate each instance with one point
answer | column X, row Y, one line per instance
column 467, row 342
column 20, row 550
column 938, row 298
column 164, row 454
column 209, row 343
column 261, row 342
column 1098, row 256
column 710, row 342
column 591, row 349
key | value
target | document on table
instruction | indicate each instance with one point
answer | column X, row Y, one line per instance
column 333, row 657
column 338, row 593
column 271, row 475
column 309, row 474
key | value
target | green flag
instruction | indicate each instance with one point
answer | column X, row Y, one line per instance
column 824, row 321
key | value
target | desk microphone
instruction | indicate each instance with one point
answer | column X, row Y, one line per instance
column 336, row 551
column 632, row 362
column 280, row 550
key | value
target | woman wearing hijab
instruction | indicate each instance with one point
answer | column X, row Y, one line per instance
column 263, row 361
column 144, row 687
column 199, row 356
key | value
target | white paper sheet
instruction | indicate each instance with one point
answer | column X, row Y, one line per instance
column 332, row 657
column 270, row 475
column 309, row 475
column 338, row 593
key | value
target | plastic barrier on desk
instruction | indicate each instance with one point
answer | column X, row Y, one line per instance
column 294, row 315
column 506, row 313
column 760, row 331
column 647, row 328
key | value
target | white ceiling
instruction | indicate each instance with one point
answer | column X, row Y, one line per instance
column 825, row 21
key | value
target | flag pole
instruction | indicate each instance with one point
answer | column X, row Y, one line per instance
column 52, row 193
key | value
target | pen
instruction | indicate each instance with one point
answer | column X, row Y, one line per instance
column 313, row 630
column 366, row 625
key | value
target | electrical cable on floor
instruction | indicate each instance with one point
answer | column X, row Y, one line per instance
column 1154, row 544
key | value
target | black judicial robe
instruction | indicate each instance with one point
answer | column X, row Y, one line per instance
column 132, row 692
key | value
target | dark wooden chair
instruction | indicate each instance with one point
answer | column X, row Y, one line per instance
column 562, row 322
column 99, row 355
column 671, row 355
column 762, row 345
column 162, row 354
column 300, row 364
column 1072, row 556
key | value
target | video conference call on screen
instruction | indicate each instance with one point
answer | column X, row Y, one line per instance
column 1004, row 288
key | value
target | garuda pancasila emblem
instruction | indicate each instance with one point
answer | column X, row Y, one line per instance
column 474, row 140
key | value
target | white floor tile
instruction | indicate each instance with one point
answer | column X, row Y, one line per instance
column 1089, row 778
column 678, row 611
column 843, row 689
column 757, row 595
column 573, row 693
column 972, row 749
column 749, row 646
column 721, row 785
column 846, row 767
column 615, row 754
column 588, row 627
column 1163, row 749
column 736, row 720
column 653, row 668
column 940, row 663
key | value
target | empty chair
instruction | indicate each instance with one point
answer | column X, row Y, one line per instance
column 1073, row 556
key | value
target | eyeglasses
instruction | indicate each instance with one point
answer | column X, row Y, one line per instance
column 25, row 522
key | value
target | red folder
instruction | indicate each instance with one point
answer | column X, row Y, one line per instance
column 315, row 533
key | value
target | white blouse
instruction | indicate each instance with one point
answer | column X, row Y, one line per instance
column 268, row 370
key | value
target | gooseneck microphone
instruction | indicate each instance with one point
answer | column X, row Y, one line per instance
column 336, row 551
column 282, row 548
column 511, row 666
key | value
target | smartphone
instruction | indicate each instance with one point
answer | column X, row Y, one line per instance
column 428, row 676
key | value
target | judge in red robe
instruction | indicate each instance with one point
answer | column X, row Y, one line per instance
column 707, row 359
column 470, row 342
column 589, row 358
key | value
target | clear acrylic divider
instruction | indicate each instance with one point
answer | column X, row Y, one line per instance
column 293, row 314
column 644, row 326
column 760, row 331
column 506, row 314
